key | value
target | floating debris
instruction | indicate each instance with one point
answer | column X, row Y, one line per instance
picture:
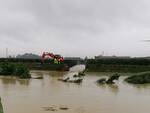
column 63, row 108
column 38, row 77
column 55, row 108
column 49, row 108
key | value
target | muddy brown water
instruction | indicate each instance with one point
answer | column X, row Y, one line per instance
column 32, row 96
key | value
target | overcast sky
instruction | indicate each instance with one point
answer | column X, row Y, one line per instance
column 75, row 27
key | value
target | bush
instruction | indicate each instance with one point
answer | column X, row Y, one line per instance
column 6, row 68
column 19, row 70
column 139, row 79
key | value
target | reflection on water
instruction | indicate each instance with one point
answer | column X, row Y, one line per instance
column 13, row 81
column 110, row 87
column 30, row 96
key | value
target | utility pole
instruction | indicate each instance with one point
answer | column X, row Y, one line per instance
column 102, row 53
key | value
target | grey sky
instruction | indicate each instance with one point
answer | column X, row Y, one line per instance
column 75, row 27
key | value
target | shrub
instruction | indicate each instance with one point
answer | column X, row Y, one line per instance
column 139, row 79
column 19, row 70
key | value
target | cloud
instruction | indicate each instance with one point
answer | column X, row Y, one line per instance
column 75, row 27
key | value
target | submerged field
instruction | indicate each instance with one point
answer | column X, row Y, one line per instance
column 37, row 95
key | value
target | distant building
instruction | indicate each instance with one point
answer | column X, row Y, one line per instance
column 110, row 57
column 28, row 56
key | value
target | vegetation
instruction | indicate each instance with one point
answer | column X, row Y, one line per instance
column 1, row 107
column 119, row 61
column 110, row 80
column 12, row 69
column 101, row 65
column 82, row 73
column 139, row 79
column 36, row 64
column 118, row 65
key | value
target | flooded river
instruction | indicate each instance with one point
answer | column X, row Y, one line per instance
column 33, row 96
